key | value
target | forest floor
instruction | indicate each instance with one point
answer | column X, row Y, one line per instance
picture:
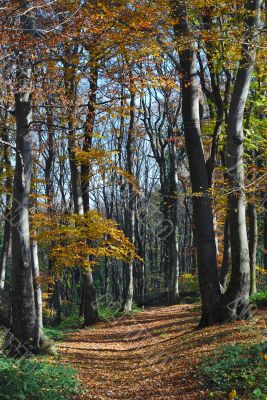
column 151, row 355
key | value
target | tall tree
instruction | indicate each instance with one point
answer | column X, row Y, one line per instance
column 202, row 203
column 24, row 321
column 80, row 176
column 236, row 299
column 130, row 209
column 7, row 222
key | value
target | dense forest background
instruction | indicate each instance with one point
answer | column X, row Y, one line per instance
column 133, row 159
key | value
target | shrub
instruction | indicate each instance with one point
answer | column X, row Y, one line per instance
column 68, row 324
column 33, row 379
column 188, row 283
column 238, row 371
column 259, row 298
column 106, row 313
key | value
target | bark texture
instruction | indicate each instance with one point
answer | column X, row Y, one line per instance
column 130, row 212
column 202, row 203
column 236, row 300
column 24, row 321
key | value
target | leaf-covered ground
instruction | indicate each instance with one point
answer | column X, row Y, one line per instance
column 151, row 355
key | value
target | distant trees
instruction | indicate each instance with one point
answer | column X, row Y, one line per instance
column 125, row 128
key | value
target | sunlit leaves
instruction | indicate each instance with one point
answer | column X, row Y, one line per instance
column 81, row 240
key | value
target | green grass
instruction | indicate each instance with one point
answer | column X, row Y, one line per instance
column 105, row 313
column 110, row 313
column 239, row 370
column 67, row 325
column 33, row 379
column 259, row 298
column 72, row 322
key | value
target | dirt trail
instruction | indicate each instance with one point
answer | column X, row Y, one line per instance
column 151, row 355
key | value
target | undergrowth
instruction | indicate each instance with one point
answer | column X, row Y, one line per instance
column 237, row 372
column 32, row 379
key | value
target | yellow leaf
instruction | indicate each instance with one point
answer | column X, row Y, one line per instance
column 232, row 394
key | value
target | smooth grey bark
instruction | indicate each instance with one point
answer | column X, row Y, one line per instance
column 37, row 290
column 24, row 320
column 236, row 299
column 4, row 255
column 7, row 223
column 253, row 242
column 226, row 256
column 130, row 212
column 141, row 238
column 57, row 299
column 175, row 265
column 202, row 203
column 90, row 300
column 109, row 281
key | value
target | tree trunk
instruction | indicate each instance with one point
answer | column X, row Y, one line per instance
column 89, row 292
column 7, row 223
column 130, row 211
column 173, row 209
column 58, row 300
column 109, row 281
column 23, row 304
column 253, row 242
column 90, row 302
column 202, row 203
column 265, row 235
column 4, row 255
column 37, row 290
column 170, row 242
column 80, row 192
column 226, row 255
column 236, row 299
column 90, row 295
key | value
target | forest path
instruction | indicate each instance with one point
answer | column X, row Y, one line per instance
column 150, row 355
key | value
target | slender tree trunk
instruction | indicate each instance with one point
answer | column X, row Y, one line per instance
column 236, row 298
column 202, row 203
column 141, row 244
column 265, row 234
column 170, row 242
column 58, row 300
column 253, row 242
column 129, row 286
column 7, row 223
column 174, row 266
column 214, row 96
column 226, row 255
column 90, row 295
column 37, row 289
column 89, row 292
column 109, row 280
column 4, row 257
column 130, row 212
column 80, row 191
column 49, row 190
